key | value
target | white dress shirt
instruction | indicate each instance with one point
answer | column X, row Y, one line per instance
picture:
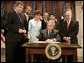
column 27, row 16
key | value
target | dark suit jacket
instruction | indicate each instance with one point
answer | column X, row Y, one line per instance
column 72, row 31
column 56, row 25
column 44, row 35
column 44, row 25
column 25, row 21
column 13, row 24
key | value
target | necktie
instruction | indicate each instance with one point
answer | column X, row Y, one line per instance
column 49, row 35
column 45, row 20
column 67, row 25
column 20, row 17
column 21, row 21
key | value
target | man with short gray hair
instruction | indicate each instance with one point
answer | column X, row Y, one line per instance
column 49, row 34
column 68, row 30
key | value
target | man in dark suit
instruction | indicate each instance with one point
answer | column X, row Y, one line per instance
column 15, row 35
column 68, row 29
column 48, row 35
column 44, row 20
column 26, row 17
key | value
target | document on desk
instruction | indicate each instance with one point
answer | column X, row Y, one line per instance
column 45, row 42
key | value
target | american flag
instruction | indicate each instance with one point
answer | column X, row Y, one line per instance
column 33, row 9
column 63, row 10
column 43, row 8
column 2, row 30
column 2, row 9
column 12, row 5
column 53, row 8
column 2, row 39
column 22, row 11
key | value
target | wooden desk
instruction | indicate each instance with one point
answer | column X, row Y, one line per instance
column 39, row 48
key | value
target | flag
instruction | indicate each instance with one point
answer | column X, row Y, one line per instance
column 2, row 30
column 43, row 8
column 12, row 5
column 22, row 11
column 2, row 9
column 53, row 8
column 63, row 10
column 33, row 9
column 2, row 39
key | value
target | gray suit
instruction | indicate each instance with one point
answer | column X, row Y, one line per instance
column 44, row 35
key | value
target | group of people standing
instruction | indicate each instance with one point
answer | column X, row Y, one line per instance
column 25, row 28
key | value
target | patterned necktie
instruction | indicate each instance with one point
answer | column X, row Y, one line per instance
column 67, row 25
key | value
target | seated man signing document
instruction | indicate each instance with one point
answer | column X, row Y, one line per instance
column 48, row 35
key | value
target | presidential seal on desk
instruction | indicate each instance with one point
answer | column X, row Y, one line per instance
column 53, row 51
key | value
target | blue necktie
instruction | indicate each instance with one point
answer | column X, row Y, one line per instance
column 49, row 35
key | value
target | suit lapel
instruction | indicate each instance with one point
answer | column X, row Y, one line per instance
column 25, row 17
column 46, row 34
column 18, row 18
column 64, row 25
column 52, row 33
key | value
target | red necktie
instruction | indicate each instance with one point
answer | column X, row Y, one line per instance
column 67, row 25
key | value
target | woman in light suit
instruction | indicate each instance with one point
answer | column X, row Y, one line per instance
column 34, row 26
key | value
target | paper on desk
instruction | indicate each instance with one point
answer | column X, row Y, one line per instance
column 45, row 42
column 39, row 42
